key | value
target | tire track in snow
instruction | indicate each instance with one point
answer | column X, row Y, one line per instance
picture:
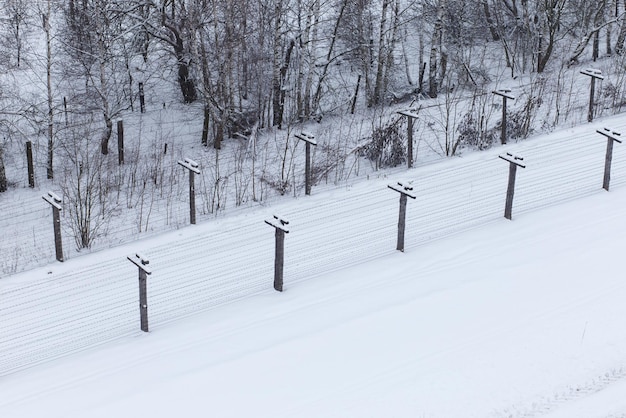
column 547, row 404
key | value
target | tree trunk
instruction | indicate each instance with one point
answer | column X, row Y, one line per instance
column 47, row 30
column 318, row 90
column 490, row 22
column 382, row 56
column 390, row 48
column 277, row 116
column 433, row 87
column 187, row 85
column 106, row 112
column 185, row 81
column 278, row 87
column 621, row 37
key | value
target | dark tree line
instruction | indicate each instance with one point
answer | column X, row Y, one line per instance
column 278, row 62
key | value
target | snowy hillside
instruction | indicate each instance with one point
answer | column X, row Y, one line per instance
column 508, row 319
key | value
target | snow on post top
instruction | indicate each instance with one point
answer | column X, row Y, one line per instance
column 593, row 72
column 406, row 188
column 306, row 137
column 610, row 133
column 141, row 262
column 190, row 165
column 513, row 159
column 412, row 113
column 278, row 222
column 53, row 199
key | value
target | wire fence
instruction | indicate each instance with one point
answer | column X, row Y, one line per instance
column 45, row 316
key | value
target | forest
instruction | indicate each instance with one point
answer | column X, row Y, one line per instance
column 228, row 83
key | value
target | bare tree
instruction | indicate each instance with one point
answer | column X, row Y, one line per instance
column 18, row 13
column 435, row 50
column 46, row 14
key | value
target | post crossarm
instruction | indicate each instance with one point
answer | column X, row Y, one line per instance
column 411, row 113
column 504, row 93
column 306, row 137
column 591, row 72
column 278, row 222
column 403, row 188
column 610, row 133
column 53, row 199
column 513, row 159
column 141, row 262
column 190, row 165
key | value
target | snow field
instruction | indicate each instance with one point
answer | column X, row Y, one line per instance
column 514, row 319
column 88, row 302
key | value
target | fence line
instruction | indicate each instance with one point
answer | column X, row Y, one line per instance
column 42, row 318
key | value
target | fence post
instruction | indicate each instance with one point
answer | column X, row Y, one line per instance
column 142, row 99
column 405, row 189
column 514, row 162
column 120, row 142
column 612, row 136
column 309, row 140
column 29, row 161
column 280, row 226
column 65, row 110
column 505, row 95
column 192, row 166
column 142, row 264
column 411, row 115
column 55, row 202
column 594, row 74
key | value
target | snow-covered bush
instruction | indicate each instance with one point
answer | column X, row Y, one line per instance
column 386, row 147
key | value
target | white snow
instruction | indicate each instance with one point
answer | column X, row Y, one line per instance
column 494, row 319
column 520, row 318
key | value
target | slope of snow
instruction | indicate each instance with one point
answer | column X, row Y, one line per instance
column 511, row 319
column 514, row 319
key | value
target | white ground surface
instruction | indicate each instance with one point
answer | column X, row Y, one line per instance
column 513, row 319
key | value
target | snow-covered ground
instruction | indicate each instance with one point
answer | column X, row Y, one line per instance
column 492, row 319
column 513, row 319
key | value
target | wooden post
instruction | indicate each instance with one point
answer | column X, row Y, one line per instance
column 120, row 142
column 356, row 94
column 205, row 127
column 594, row 74
column 504, row 93
column 280, row 225
column 65, row 110
column 405, row 189
column 142, row 264
column 612, row 136
column 514, row 162
column 192, row 166
column 309, row 140
column 55, row 202
column 29, row 161
column 410, row 116
column 142, row 99
column 192, row 199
